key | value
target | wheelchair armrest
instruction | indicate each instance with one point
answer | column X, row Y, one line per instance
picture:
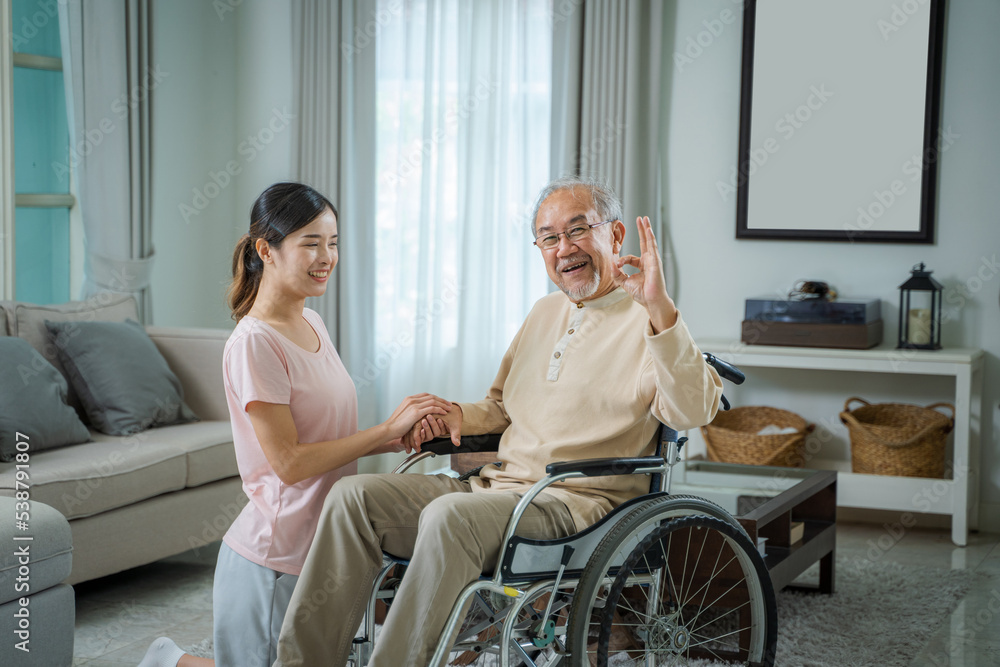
column 471, row 444
column 598, row 467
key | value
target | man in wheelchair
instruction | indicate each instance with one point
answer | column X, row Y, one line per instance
column 592, row 372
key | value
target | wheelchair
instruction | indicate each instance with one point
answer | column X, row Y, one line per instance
column 661, row 580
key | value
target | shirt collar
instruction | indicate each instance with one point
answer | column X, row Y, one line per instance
column 609, row 299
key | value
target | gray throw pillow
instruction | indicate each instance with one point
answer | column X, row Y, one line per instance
column 124, row 383
column 33, row 402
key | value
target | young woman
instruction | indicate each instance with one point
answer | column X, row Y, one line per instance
column 294, row 413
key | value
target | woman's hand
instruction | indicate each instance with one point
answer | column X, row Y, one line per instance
column 411, row 411
column 433, row 426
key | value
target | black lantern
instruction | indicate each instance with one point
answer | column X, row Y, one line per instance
column 920, row 311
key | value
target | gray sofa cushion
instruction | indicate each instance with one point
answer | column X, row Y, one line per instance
column 27, row 321
column 110, row 472
column 209, row 447
column 3, row 322
column 33, row 402
column 50, row 550
column 123, row 382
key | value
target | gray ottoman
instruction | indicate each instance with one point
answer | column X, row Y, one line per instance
column 37, row 610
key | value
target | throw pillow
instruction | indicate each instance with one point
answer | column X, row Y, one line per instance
column 27, row 321
column 33, row 402
column 124, row 383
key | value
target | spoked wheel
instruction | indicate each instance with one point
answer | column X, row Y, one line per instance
column 508, row 631
column 693, row 588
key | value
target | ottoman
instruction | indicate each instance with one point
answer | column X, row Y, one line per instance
column 37, row 610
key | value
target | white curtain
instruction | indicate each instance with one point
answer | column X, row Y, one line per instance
column 462, row 148
column 334, row 63
column 615, row 50
column 109, row 79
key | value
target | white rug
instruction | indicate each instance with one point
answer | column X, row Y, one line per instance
column 881, row 614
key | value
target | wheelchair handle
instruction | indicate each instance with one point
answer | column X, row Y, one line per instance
column 726, row 370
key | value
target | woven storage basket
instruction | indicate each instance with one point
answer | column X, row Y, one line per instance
column 733, row 437
column 898, row 438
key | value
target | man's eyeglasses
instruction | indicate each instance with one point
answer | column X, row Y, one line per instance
column 573, row 234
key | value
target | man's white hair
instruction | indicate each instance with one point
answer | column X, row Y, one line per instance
column 605, row 201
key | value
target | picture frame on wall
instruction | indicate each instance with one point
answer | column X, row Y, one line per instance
column 840, row 135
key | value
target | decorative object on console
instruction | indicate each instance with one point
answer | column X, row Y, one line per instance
column 898, row 438
column 920, row 311
column 811, row 290
column 820, row 321
column 757, row 435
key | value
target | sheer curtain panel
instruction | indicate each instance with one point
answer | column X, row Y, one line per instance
column 109, row 79
column 462, row 148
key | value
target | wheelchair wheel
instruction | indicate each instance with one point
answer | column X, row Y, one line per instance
column 694, row 587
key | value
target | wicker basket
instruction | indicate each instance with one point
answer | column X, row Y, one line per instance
column 897, row 438
column 733, row 437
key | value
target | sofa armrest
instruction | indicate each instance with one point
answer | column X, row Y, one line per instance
column 195, row 357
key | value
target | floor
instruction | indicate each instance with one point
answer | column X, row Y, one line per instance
column 118, row 616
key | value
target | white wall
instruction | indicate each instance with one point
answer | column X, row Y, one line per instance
column 717, row 272
column 220, row 135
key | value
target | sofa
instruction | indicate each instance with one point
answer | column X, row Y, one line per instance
column 134, row 498
column 37, row 610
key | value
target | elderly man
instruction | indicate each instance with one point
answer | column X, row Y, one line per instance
column 591, row 371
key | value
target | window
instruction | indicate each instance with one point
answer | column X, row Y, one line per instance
column 41, row 167
column 462, row 148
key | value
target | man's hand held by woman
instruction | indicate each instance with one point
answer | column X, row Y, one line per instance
column 436, row 426
column 411, row 412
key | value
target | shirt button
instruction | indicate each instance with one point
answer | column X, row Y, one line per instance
column 571, row 331
column 557, row 355
column 579, row 305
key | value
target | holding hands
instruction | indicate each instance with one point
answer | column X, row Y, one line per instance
column 413, row 411
column 435, row 426
column 647, row 286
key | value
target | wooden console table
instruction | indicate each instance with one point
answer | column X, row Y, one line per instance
column 958, row 496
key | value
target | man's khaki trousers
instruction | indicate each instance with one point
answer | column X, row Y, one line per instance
column 450, row 535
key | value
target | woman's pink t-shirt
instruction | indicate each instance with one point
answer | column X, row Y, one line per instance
column 277, row 526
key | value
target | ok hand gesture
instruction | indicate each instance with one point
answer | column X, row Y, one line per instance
column 647, row 286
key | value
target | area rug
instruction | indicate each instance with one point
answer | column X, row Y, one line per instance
column 882, row 614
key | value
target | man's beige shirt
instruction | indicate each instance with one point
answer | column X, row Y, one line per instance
column 589, row 381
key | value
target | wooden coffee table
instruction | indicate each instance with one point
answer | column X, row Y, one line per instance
column 767, row 501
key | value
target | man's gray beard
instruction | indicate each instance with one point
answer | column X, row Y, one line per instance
column 587, row 290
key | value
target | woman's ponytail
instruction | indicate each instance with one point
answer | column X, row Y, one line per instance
column 247, row 271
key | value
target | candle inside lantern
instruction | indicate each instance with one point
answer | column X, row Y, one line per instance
column 920, row 326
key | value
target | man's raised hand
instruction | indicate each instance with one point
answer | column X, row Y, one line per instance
column 647, row 285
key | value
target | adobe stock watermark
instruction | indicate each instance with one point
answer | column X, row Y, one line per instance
column 224, row 7
column 387, row 353
column 410, row 163
column 913, row 168
column 924, row 501
column 900, row 15
column 599, row 144
column 213, row 530
column 695, row 45
column 969, row 627
column 118, row 112
column 561, row 10
column 248, row 149
column 365, row 35
column 31, row 25
column 787, row 126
